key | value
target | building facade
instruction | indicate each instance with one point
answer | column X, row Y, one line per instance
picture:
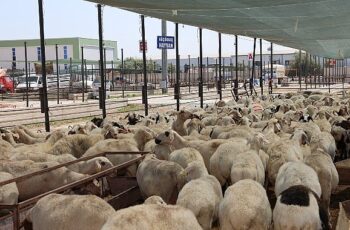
column 12, row 53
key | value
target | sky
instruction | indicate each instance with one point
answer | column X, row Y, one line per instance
column 78, row 18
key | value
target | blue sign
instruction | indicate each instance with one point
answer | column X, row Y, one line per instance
column 165, row 42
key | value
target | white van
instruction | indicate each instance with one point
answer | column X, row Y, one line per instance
column 34, row 83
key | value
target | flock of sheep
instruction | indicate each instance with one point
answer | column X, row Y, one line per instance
column 207, row 168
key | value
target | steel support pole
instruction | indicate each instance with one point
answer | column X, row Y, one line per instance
column 102, row 73
column 82, row 73
column 236, row 60
column 200, row 66
column 271, row 68
column 57, row 76
column 145, row 99
column 164, row 62
column 220, row 74
column 300, row 70
column 261, row 69
column 26, row 69
column 253, row 69
column 43, row 66
column 189, row 73
column 122, row 73
column 177, row 91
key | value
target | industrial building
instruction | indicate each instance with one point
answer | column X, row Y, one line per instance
column 12, row 53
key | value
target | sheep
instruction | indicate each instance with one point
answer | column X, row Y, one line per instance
column 162, row 151
column 297, row 208
column 42, row 183
column 222, row 159
column 326, row 142
column 8, row 192
column 6, row 150
column 285, row 150
column 206, row 148
column 202, row 194
column 158, row 177
column 154, row 200
column 247, row 165
column 245, row 206
column 112, row 145
column 152, row 216
column 297, row 173
column 179, row 124
column 91, row 166
column 31, row 133
column 25, row 138
column 327, row 174
column 69, row 212
column 75, row 145
column 185, row 156
column 322, row 122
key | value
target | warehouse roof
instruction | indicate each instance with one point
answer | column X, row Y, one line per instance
column 321, row 27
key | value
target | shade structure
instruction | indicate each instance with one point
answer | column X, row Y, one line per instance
column 321, row 27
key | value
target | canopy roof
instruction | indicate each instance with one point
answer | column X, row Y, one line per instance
column 321, row 27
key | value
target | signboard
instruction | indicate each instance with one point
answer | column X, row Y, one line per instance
column 165, row 42
column 250, row 56
column 142, row 46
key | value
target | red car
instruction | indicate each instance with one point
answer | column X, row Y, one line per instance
column 7, row 84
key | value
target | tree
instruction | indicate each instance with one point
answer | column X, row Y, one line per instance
column 307, row 66
column 133, row 63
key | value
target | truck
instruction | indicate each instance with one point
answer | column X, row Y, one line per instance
column 7, row 85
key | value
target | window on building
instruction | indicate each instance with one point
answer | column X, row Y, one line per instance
column 65, row 66
column 65, row 52
column 38, row 49
column 287, row 62
column 14, row 64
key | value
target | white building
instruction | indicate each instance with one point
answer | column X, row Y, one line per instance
column 12, row 53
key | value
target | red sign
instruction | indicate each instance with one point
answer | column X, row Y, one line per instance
column 142, row 46
column 250, row 56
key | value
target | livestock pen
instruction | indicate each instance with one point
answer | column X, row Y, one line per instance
column 123, row 191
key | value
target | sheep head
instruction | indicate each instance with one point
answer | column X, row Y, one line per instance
column 300, row 136
column 166, row 137
column 155, row 200
column 195, row 170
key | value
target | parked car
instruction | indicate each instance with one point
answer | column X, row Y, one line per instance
column 7, row 84
column 34, row 83
column 96, row 84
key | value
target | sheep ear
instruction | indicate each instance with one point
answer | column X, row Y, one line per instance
column 304, row 139
column 167, row 133
column 310, row 119
column 98, row 166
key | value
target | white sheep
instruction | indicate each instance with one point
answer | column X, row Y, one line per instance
column 159, row 177
column 327, row 173
column 245, row 206
column 42, row 183
column 179, row 124
column 206, row 148
column 75, row 145
column 114, row 145
column 152, row 216
column 285, row 150
column 326, row 142
column 185, row 156
column 69, row 212
column 248, row 165
column 297, row 173
column 297, row 208
column 8, row 192
column 202, row 194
